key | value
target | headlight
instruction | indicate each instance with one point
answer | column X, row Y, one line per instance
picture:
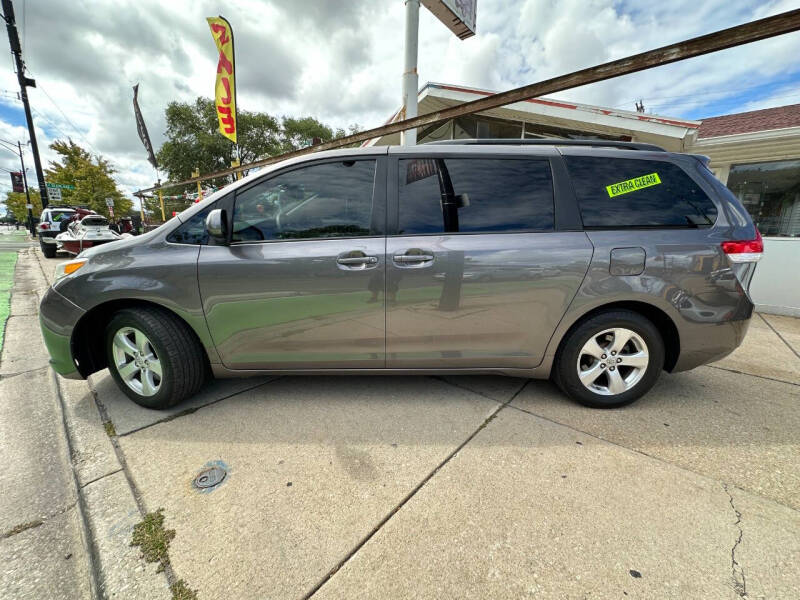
column 68, row 268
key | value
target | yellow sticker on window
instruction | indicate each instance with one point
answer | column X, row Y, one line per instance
column 637, row 183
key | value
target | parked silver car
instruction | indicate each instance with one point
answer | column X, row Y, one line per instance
column 598, row 264
column 50, row 225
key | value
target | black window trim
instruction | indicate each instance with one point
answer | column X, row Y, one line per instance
column 378, row 217
column 393, row 195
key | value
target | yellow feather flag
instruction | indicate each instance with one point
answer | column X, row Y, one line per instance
column 226, row 78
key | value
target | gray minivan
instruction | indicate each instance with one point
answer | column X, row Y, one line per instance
column 596, row 263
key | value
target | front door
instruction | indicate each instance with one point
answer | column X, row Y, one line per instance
column 477, row 275
column 301, row 283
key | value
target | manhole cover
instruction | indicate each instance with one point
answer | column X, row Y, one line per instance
column 208, row 478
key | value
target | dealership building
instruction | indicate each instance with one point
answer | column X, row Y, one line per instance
column 756, row 154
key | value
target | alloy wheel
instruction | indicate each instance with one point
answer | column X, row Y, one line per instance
column 613, row 361
column 136, row 361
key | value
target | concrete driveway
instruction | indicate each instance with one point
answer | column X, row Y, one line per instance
column 429, row 487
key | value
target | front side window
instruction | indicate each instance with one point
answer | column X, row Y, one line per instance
column 474, row 195
column 615, row 193
column 193, row 231
column 329, row 200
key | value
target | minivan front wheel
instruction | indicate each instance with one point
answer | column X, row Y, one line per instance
column 153, row 357
column 610, row 360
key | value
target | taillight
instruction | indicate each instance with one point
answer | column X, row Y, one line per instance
column 44, row 226
column 740, row 251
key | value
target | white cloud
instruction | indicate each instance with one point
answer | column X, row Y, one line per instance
column 341, row 62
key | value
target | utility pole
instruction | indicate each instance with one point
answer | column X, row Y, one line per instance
column 410, row 76
column 27, row 191
column 24, row 84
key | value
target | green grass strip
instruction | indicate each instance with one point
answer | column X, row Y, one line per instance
column 8, row 261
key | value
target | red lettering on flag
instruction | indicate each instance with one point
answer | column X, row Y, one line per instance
column 224, row 63
column 227, row 85
column 226, row 120
column 223, row 31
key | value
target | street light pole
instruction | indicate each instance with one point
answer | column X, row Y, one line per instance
column 27, row 191
column 410, row 76
column 24, row 84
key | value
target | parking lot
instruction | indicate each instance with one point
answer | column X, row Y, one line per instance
column 432, row 487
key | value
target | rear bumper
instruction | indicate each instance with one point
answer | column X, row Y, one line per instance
column 57, row 319
column 47, row 237
column 709, row 342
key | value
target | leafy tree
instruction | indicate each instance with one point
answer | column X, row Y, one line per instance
column 16, row 204
column 91, row 176
column 193, row 139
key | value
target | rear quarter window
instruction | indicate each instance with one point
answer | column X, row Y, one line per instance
column 616, row 193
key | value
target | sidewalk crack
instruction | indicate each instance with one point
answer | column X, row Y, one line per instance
column 776, row 332
column 411, row 494
column 737, row 570
column 22, row 527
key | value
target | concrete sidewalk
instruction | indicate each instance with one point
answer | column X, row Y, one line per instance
column 43, row 546
column 454, row 487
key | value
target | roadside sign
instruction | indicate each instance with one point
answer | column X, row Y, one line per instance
column 16, row 181
column 61, row 186
column 54, row 194
column 110, row 202
column 457, row 15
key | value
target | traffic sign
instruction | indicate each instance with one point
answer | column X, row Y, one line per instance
column 54, row 194
column 63, row 186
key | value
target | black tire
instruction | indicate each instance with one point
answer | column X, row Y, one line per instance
column 181, row 356
column 565, row 369
column 49, row 250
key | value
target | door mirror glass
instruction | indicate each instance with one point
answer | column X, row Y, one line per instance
column 216, row 225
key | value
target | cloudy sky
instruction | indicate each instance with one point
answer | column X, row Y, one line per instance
column 341, row 61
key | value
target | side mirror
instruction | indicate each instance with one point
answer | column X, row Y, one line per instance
column 217, row 226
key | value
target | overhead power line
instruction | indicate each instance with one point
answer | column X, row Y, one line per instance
column 720, row 40
column 66, row 118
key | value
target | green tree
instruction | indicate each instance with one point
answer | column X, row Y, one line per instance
column 194, row 141
column 17, row 204
column 91, row 176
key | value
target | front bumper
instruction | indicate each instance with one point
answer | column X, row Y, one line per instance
column 57, row 318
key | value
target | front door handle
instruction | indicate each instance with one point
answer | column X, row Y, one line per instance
column 414, row 258
column 356, row 260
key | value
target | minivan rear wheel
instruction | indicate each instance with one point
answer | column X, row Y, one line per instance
column 153, row 357
column 610, row 360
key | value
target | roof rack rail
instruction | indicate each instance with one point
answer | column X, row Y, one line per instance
column 549, row 142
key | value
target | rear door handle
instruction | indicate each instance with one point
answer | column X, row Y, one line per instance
column 413, row 258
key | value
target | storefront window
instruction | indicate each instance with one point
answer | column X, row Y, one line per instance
column 770, row 191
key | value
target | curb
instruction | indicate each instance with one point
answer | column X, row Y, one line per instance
column 108, row 509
